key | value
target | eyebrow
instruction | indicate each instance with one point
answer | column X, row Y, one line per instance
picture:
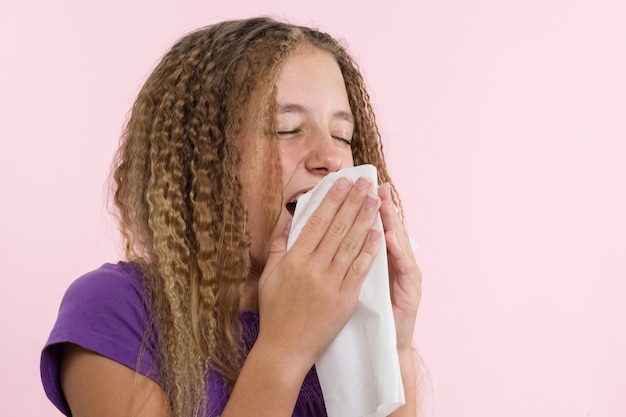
column 297, row 108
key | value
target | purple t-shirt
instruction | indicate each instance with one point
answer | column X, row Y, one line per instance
column 105, row 311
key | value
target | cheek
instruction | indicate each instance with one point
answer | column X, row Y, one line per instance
column 289, row 159
column 255, row 219
column 256, row 227
column 349, row 162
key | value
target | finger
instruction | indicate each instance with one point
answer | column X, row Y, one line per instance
column 352, row 222
column 317, row 225
column 361, row 265
column 350, row 246
column 392, row 223
column 388, row 209
column 399, row 249
column 278, row 250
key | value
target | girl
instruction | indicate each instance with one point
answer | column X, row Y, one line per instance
column 210, row 315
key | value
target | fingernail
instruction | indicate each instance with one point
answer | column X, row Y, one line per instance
column 373, row 234
column 363, row 184
column 371, row 201
column 343, row 183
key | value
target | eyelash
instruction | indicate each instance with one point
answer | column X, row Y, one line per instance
column 288, row 132
column 344, row 140
column 296, row 131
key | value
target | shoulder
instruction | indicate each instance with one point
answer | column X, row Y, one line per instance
column 122, row 279
column 104, row 309
column 102, row 300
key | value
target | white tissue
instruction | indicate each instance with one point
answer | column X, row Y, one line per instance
column 360, row 372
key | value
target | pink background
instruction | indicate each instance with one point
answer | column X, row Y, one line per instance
column 505, row 128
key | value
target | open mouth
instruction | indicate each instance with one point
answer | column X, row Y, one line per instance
column 291, row 205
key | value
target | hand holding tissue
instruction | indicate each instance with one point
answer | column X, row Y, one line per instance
column 360, row 372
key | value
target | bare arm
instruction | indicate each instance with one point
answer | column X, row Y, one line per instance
column 408, row 369
column 405, row 282
column 96, row 386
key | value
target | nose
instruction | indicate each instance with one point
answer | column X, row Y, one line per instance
column 325, row 155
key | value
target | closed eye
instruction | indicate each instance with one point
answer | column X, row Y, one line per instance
column 297, row 131
column 342, row 139
column 288, row 132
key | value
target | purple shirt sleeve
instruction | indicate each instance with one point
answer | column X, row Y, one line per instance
column 104, row 311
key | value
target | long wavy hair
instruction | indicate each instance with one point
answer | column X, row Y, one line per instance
column 179, row 199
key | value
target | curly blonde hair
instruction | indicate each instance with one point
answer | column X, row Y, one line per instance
column 179, row 199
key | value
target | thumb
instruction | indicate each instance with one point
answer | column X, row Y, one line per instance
column 278, row 249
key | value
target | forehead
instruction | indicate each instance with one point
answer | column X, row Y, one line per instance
column 312, row 79
column 307, row 72
column 309, row 63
